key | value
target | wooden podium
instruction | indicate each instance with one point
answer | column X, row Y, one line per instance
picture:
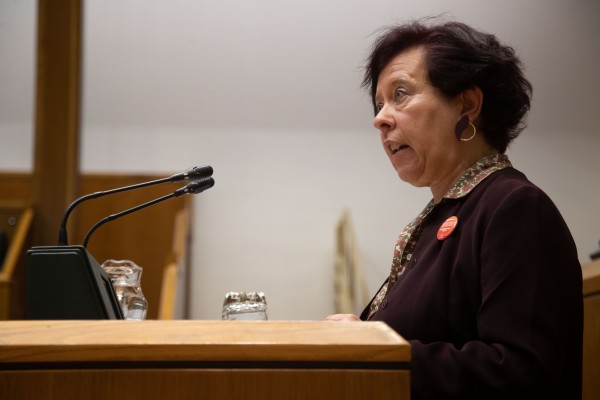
column 591, row 330
column 202, row 360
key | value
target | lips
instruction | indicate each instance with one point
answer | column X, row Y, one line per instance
column 397, row 147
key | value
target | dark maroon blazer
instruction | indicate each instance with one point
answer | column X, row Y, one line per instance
column 495, row 310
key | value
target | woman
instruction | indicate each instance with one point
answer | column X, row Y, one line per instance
column 485, row 282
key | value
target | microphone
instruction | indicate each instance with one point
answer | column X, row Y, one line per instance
column 58, row 274
column 193, row 173
column 194, row 187
column 190, row 173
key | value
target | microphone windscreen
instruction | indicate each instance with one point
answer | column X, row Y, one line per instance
column 193, row 173
column 199, row 172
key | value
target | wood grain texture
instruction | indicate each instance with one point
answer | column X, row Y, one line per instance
column 168, row 292
column 57, row 114
column 143, row 360
column 591, row 330
column 591, row 277
column 80, row 341
column 16, row 187
column 206, row 384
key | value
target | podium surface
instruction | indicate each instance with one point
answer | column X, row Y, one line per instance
column 202, row 359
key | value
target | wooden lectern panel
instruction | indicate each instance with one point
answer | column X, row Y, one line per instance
column 226, row 384
column 591, row 330
column 202, row 359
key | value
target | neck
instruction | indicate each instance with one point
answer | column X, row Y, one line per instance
column 440, row 188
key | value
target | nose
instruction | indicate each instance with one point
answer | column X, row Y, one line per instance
column 384, row 121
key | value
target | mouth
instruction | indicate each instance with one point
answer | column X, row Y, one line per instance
column 397, row 147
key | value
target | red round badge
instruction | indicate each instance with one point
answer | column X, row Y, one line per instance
column 447, row 227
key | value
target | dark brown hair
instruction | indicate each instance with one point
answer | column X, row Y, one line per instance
column 458, row 57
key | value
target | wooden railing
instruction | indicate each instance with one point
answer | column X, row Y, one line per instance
column 175, row 278
column 15, row 221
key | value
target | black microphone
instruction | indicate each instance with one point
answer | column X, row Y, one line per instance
column 191, row 173
column 194, row 187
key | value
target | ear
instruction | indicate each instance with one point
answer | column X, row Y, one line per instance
column 472, row 101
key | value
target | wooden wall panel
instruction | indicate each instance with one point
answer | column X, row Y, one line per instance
column 16, row 187
column 57, row 112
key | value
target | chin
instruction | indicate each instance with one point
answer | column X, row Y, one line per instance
column 405, row 175
column 410, row 179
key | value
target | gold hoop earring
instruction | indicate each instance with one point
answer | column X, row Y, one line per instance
column 473, row 135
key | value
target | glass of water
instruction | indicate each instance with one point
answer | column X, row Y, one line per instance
column 126, row 277
column 245, row 306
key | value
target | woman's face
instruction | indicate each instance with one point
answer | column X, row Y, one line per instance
column 417, row 123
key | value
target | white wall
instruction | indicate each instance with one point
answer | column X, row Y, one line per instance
column 268, row 94
column 17, row 49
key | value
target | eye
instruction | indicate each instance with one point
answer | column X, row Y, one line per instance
column 378, row 108
column 399, row 94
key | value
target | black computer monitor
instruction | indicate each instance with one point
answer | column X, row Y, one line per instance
column 66, row 282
